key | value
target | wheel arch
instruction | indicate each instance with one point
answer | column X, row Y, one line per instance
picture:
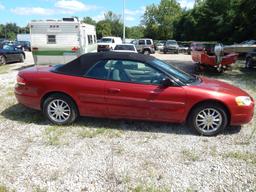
column 61, row 93
column 210, row 101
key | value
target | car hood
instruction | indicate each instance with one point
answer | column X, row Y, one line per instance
column 220, row 87
column 104, row 43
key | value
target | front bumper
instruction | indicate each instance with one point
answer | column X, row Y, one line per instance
column 242, row 115
column 169, row 49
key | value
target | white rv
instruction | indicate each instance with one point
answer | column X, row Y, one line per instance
column 60, row 41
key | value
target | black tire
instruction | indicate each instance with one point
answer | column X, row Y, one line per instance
column 2, row 60
column 22, row 58
column 196, row 112
column 71, row 104
column 146, row 52
column 248, row 63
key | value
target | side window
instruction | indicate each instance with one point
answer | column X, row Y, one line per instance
column 134, row 72
column 90, row 40
column 100, row 70
column 95, row 40
column 51, row 39
column 141, row 42
column 149, row 42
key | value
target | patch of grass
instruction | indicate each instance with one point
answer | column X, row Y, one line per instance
column 190, row 189
column 190, row 155
column 149, row 188
column 213, row 151
column 53, row 134
column 244, row 156
column 22, row 114
column 3, row 188
column 4, row 69
column 94, row 132
column 38, row 189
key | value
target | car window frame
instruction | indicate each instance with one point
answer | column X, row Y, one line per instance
column 141, row 83
column 165, row 74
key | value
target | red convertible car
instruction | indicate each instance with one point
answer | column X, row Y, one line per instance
column 132, row 86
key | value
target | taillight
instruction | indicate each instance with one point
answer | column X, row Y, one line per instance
column 75, row 49
column 34, row 49
column 20, row 81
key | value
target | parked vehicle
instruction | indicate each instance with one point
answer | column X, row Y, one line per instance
column 10, row 54
column 171, row 46
column 60, row 41
column 250, row 59
column 160, row 45
column 242, row 48
column 144, row 46
column 23, row 45
column 132, row 86
column 108, row 43
column 184, row 48
column 204, row 54
column 23, row 37
column 125, row 48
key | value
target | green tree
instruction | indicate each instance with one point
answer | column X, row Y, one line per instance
column 159, row 19
column 103, row 28
column 89, row 20
column 135, row 32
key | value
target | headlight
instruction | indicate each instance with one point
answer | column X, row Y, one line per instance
column 243, row 101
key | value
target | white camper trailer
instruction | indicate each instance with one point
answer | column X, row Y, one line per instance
column 60, row 41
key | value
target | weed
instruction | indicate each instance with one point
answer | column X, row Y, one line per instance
column 3, row 188
column 190, row 155
column 244, row 156
column 53, row 134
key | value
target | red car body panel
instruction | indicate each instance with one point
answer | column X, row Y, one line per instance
column 103, row 98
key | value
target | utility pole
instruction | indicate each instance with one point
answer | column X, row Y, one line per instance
column 123, row 21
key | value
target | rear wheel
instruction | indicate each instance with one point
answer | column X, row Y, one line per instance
column 60, row 109
column 146, row 52
column 208, row 119
column 2, row 60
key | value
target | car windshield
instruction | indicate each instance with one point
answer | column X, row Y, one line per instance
column 174, row 72
column 125, row 47
column 106, row 40
column 171, row 43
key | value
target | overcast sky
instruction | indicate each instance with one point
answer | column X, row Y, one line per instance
column 22, row 11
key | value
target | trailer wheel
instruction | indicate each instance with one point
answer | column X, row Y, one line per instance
column 248, row 63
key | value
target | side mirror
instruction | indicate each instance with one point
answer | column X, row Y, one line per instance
column 166, row 82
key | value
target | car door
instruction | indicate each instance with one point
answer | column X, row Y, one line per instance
column 91, row 90
column 133, row 91
column 8, row 53
column 141, row 44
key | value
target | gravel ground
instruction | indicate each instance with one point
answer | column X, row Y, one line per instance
column 117, row 155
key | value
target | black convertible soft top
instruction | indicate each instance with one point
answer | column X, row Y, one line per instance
column 82, row 64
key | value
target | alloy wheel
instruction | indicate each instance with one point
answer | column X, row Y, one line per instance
column 208, row 120
column 59, row 110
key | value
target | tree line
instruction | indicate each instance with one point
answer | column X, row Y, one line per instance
column 227, row 21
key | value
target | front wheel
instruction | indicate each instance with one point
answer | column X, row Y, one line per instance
column 60, row 109
column 208, row 119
